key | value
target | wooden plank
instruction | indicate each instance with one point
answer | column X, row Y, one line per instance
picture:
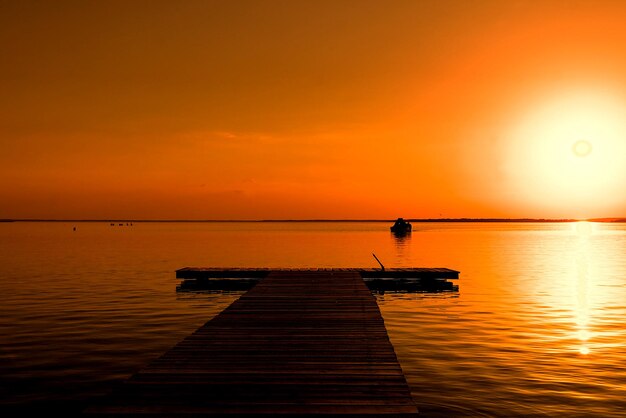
column 299, row 343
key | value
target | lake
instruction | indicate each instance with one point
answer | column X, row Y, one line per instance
column 537, row 328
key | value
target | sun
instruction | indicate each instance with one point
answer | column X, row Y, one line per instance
column 552, row 165
column 582, row 148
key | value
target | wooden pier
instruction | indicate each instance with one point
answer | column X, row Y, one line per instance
column 300, row 342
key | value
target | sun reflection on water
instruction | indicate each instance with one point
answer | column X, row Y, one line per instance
column 584, row 230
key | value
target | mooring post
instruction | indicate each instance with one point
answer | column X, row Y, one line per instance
column 381, row 264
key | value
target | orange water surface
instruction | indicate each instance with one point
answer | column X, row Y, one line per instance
column 537, row 328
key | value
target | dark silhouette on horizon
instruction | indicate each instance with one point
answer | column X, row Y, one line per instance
column 401, row 227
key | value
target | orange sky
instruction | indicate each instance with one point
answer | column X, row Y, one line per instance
column 316, row 109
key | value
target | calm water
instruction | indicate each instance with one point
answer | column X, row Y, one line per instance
column 538, row 327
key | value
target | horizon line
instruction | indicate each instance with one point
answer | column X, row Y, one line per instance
column 123, row 220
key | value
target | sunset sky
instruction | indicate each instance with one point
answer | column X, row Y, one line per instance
column 312, row 109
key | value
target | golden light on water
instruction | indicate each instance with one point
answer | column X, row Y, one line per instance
column 583, row 335
column 582, row 292
column 576, row 300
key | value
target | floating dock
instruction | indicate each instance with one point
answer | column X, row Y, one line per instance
column 301, row 342
column 393, row 279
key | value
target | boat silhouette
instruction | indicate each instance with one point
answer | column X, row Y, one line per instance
column 401, row 227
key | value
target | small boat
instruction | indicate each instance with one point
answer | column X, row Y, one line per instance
column 401, row 226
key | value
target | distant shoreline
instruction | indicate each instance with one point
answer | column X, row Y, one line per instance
column 416, row 220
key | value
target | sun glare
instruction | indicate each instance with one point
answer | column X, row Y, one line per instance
column 568, row 156
column 582, row 148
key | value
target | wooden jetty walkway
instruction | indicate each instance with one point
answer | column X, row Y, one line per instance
column 301, row 342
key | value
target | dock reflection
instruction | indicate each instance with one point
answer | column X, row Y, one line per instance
column 377, row 285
